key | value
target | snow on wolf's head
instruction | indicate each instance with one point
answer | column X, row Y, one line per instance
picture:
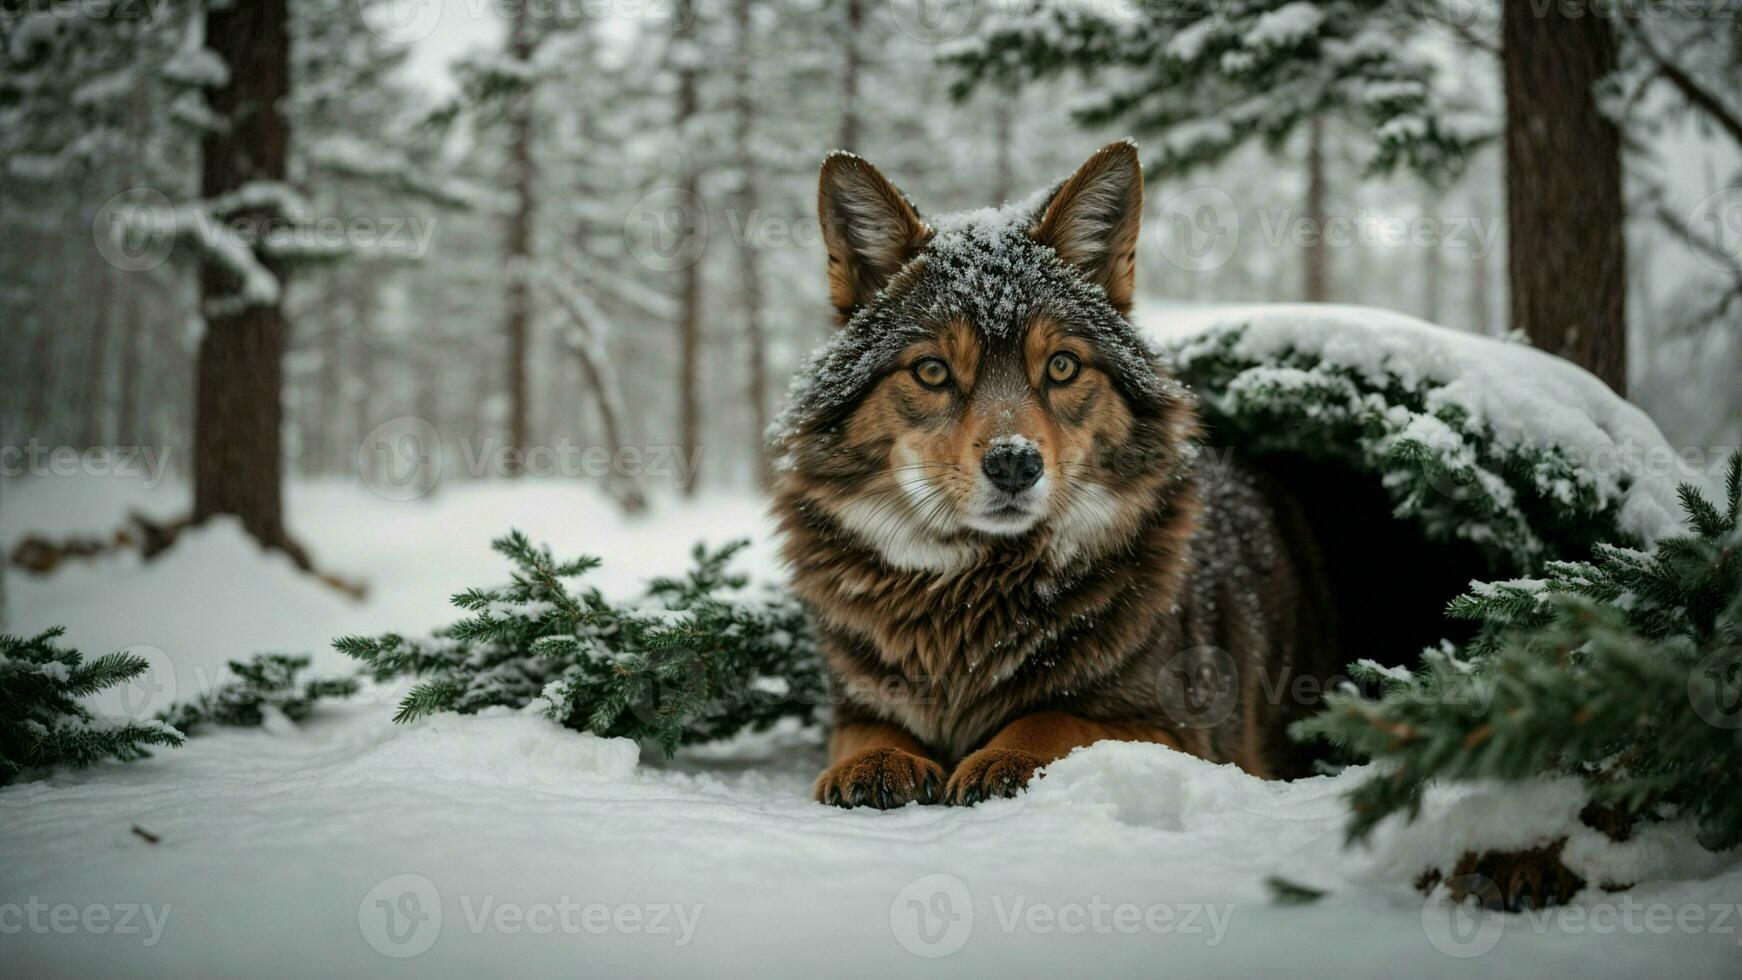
column 986, row 390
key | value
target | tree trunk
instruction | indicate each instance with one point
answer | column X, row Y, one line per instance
column 39, row 408
column 1567, row 256
column 1004, row 179
column 361, row 309
column 97, row 356
column 127, row 407
column 1315, row 258
column 518, row 247
column 1433, row 269
column 851, row 65
column 127, row 427
column 755, row 333
column 238, row 462
column 587, row 342
column 326, row 441
column 690, row 312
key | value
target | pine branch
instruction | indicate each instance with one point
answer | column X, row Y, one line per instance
column 43, row 723
column 694, row 661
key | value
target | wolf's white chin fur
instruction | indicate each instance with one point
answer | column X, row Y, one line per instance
column 1003, row 525
column 992, row 512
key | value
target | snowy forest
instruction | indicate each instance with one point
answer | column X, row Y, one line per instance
column 317, row 316
column 557, row 227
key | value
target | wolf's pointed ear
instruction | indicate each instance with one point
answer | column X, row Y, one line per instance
column 1092, row 220
column 869, row 227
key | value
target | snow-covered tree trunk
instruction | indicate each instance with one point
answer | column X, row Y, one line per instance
column 1433, row 267
column 1316, row 257
column 749, row 203
column 690, row 312
column 518, row 245
column 1567, row 255
column 238, row 412
column 1004, row 169
column 97, row 356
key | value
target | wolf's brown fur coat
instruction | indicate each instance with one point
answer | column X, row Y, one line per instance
column 1155, row 599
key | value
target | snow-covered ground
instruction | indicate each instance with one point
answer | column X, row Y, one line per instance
column 503, row 844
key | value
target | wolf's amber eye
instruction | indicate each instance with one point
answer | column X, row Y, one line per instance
column 1062, row 367
column 932, row 373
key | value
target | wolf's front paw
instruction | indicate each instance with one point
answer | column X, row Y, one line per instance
column 883, row 778
column 989, row 773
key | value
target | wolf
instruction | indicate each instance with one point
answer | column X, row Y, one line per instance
column 993, row 500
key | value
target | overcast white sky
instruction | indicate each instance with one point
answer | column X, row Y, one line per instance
column 439, row 31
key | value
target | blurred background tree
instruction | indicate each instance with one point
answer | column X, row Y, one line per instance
column 592, row 225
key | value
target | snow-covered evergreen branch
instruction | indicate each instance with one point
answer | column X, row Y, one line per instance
column 695, row 661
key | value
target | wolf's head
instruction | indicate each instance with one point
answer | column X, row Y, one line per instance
column 986, row 390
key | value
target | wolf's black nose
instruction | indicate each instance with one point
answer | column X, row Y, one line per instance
column 1012, row 467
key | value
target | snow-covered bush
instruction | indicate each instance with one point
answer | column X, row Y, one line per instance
column 1615, row 664
column 1522, row 454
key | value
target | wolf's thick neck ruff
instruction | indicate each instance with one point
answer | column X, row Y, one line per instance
column 953, row 653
